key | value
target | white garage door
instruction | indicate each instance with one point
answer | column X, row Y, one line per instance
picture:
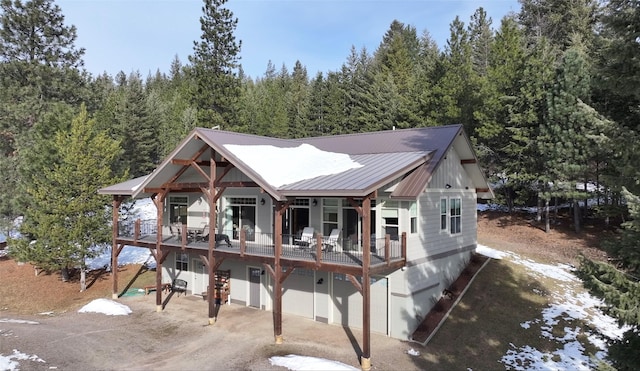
column 297, row 297
column 347, row 303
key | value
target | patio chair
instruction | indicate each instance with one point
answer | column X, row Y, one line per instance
column 306, row 238
column 203, row 234
column 179, row 286
column 175, row 231
column 331, row 242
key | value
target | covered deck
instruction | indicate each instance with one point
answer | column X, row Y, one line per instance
column 342, row 255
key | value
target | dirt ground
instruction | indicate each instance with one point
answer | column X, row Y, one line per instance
column 242, row 338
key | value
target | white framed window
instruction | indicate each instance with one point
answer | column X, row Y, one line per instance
column 178, row 206
column 182, row 261
column 444, row 216
column 413, row 217
column 390, row 219
column 455, row 214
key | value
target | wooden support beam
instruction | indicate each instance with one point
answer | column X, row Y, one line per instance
column 482, row 190
column 278, row 277
column 158, row 201
column 366, row 283
column 115, row 250
column 212, row 238
column 468, row 161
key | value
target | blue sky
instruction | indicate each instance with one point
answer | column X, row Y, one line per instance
column 145, row 35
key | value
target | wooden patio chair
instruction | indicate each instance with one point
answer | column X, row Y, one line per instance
column 306, row 238
column 331, row 242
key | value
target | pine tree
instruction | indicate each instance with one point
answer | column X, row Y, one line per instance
column 69, row 219
column 215, row 65
column 564, row 140
column 298, row 101
column 619, row 286
column 39, row 67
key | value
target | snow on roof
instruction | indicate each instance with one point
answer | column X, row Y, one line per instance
column 280, row 166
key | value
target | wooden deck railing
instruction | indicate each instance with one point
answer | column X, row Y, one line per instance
column 343, row 251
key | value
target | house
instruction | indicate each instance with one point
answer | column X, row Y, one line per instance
column 362, row 230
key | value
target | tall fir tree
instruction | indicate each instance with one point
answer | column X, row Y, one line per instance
column 69, row 219
column 619, row 286
column 564, row 136
column 39, row 67
column 215, row 64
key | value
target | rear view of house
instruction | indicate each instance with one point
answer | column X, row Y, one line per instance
column 362, row 230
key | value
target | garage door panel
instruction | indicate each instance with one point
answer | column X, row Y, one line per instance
column 297, row 297
column 347, row 303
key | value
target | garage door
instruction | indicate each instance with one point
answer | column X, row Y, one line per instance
column 297, row 297
column 347, row 303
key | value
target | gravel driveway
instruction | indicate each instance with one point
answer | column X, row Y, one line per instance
column 179, row 338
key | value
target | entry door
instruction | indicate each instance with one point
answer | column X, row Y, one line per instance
column 254, row 287
column 200, row 276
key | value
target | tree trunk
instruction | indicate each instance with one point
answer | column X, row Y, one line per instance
column 83, row 279
column 64, row 272
column 547, row 226
column 576, row 215
column 539, row 210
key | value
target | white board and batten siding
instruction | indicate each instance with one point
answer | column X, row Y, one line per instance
column 435, row 256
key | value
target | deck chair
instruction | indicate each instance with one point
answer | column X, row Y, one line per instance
column 175, row 231
column 331, row 242
column 179, row 286
column 306, row 238
column 203, row 235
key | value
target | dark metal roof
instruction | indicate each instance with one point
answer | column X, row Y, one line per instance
column 411, row 155
column 377, row 170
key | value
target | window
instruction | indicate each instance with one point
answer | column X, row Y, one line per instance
column 455, row 214
column 329, row 216
column 182, row 261
column 413, row 215
column 178, row 209
column 390, row 219
column 242, row 213
column 443, row 214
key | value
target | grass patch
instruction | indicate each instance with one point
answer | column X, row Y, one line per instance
column 480, row 329
column 24, row 292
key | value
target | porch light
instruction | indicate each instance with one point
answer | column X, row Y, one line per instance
column 447, row 186
column 314, row 202
column 262, row 201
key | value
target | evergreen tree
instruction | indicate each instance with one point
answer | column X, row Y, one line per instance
column 69, row 219
column 502, row 81
column 564, row 140
column 558, row 20
column 523, row 165
column 38, row 68
column 619, row 286
column 395, row 72
column 215, row 63
column 298, row 99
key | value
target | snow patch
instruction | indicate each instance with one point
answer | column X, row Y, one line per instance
column 303, row 162
column 106, row 306
column 295, row 362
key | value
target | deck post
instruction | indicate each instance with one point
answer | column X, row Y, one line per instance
column 115, row 213
column 277, row 286
column 212, row 200
column 365, row 359
column 158, row 201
